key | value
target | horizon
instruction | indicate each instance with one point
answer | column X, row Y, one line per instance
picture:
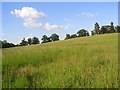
column 45, row 18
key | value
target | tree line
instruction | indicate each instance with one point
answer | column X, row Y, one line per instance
column 30, row 41
column 105, row 29
column 54, row 37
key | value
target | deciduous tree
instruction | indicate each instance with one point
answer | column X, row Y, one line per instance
column 54, row 37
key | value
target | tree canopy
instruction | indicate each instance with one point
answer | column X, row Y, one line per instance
column 29, row 41
column 35, row 40
column 97, row 28
column 117, row 29
column 104, row 29
column 23, row 42
column 82, row 33
column 5, row 44
column 54, row 37
column 45, row 39
column 68, row 36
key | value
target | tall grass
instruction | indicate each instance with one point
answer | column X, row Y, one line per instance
column 86, row 62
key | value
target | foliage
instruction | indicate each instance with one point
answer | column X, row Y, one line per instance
column 23, row 42
column 68, row 36
column 5, row 44
column 35, row 40
column 73, row 36
column 82, row 33
column 97, row 28
column 117, row 29
column 29, row 41
column 54, row 37
column 104, row 29
column 45, row 39
column 112, row 30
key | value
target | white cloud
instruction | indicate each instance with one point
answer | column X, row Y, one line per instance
column 30, row 16
column 53, row 27
column 28, row 12
column 31, row 23
column 87, row 14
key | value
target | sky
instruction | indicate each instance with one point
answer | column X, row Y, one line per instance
column 60, row 0
column 29, row 19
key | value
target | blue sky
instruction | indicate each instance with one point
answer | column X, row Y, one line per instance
column 50, row 17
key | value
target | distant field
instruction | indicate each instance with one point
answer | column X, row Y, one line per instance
column 85, row 62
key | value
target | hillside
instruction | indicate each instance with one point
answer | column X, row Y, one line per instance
column 83, row 62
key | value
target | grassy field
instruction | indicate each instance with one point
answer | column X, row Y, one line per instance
column 85, row 62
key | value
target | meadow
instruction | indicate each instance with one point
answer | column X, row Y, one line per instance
column 83, row 62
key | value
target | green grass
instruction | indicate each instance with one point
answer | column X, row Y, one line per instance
column 85, row 62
